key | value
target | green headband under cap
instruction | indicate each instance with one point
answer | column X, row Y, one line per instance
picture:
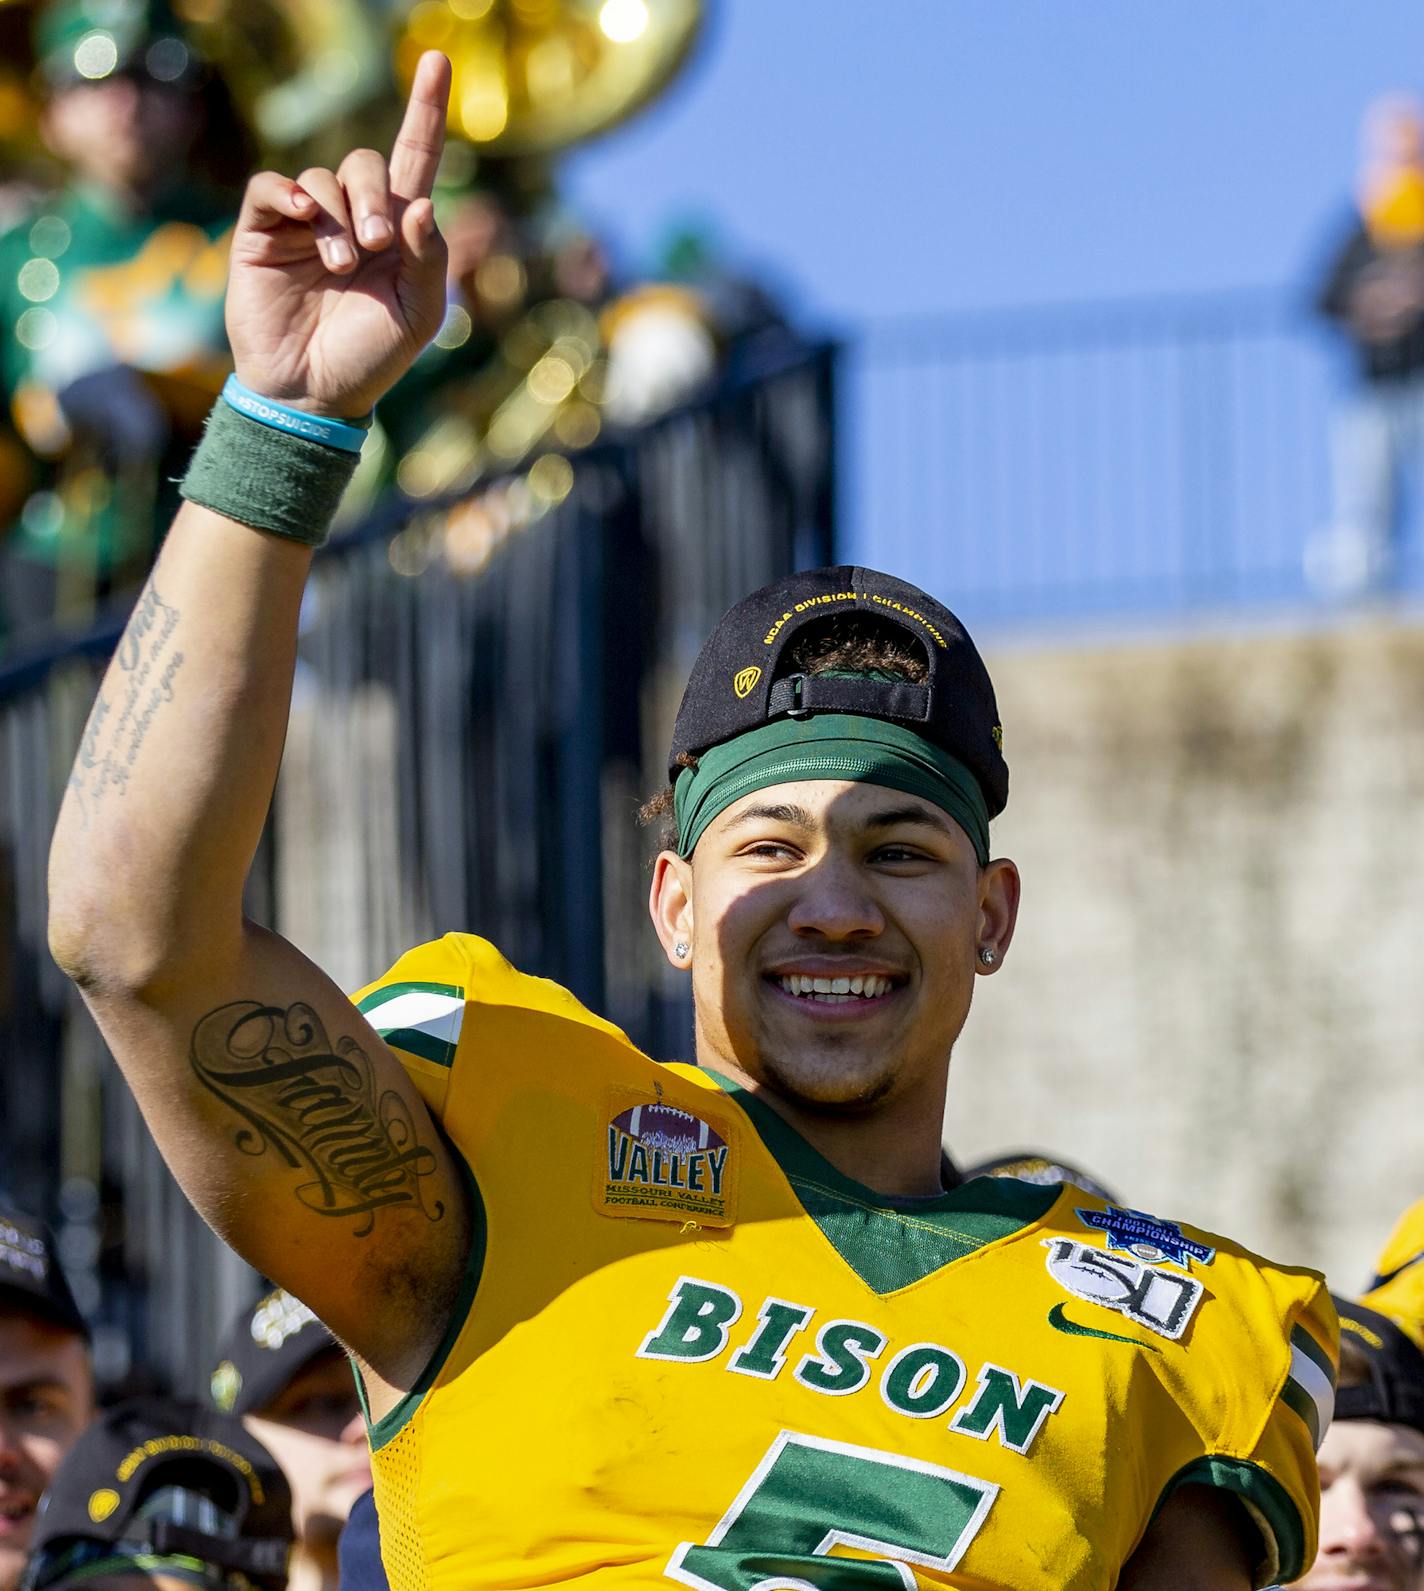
column 828, row 746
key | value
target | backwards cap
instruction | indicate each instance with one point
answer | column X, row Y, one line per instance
column 738, row 684
column 1381, row 1369
column 266, row 1346
column 164, row 1486
column 30, row 1274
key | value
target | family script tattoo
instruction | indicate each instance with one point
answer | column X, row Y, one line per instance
column 117, row 729
column 319, row 1108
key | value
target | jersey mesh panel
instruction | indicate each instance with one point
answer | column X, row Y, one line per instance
column 397, row 1480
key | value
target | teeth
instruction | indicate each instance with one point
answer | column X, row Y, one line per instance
column 864, row 986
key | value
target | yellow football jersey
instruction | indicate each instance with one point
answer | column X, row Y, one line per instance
column 691, row 1352
column 1398, row 1287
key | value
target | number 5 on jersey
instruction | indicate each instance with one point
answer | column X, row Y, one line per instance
column 809, row 1495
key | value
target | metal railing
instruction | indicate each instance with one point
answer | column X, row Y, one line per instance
column 1133, row 458
column 485, row 693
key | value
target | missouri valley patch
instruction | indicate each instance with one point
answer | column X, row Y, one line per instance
column 666, row 1162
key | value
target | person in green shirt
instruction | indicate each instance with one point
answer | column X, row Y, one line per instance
column 111, row 330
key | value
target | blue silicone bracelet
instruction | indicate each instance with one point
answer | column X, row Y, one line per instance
column 348, row 435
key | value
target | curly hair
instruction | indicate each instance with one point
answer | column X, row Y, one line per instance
column 852, row 643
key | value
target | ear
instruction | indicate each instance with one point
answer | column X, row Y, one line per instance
column 998, row 910
column 670, row 905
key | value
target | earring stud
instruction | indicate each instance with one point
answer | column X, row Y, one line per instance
column 680, row 949
column 987, row 956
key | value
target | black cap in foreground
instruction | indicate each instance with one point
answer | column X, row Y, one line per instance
column 162, row 1478
column 740, row 681
column 1381, row 1369
column 30, row 1277
column 268, row 1343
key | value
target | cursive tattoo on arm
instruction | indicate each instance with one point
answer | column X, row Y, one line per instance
column 320, row 1108
column 115, row 732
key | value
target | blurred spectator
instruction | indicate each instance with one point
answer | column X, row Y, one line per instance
column 46, row 1384
column 1375, row 292
column 1372, row 1462
column 163, row 1493
column 539, row 348
column 283, row 1373
column 516, row 368
column 1398, row 1286
column 111, row 304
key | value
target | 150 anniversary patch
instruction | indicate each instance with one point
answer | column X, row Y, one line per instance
column 664, row 1162
column 1162, row 1301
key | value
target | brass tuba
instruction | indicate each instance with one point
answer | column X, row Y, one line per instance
column 532, row 77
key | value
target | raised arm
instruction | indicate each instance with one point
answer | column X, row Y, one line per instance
column 288, row 1123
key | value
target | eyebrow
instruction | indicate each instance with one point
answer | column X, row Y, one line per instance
column 800, row 818
column 35, row 1383
column 895, row 816
column 797, row 817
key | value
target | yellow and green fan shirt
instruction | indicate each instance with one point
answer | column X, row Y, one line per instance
column 690, row 1352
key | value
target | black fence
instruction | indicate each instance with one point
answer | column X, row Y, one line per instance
column 1129, row 458
column 484, row 697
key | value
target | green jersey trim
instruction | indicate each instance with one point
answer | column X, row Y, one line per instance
column 888, row 1245
column 394, row 1420
column 424, row 1019
column 1268, row 1503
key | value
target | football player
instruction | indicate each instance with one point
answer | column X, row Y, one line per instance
column 1372, row 1462
column 160, row 1494
column 46, row 1380
column 722, row 1324
column 1398, row 1286
column 284, row 1375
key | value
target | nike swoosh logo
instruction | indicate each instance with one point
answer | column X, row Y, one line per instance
column 1060, row 1322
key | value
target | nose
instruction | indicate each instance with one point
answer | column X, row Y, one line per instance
column 1348, row 1526
column 834, row 902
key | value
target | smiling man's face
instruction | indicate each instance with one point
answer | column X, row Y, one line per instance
column 1371, row 1509
column 836, row 929
column 46, row 1400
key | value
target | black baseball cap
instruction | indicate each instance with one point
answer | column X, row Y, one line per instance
column 739, row 682
column 30, row 1274
column 164, row 1485
column 268, row 1343
column 1381, row 1369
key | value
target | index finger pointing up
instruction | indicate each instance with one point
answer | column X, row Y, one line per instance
column 421, row 138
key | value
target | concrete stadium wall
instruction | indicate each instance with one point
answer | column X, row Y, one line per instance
column 1215, row 1001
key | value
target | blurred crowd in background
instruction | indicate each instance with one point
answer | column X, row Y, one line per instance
column 115, row 215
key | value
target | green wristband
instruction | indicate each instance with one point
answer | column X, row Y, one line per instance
column 266, row 478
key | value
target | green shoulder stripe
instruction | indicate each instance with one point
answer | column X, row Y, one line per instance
column 423, row 1019
column 1301, row 1338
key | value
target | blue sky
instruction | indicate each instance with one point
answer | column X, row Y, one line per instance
column 909, row 157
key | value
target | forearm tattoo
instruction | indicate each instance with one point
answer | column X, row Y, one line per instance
column 147, row 665
column 319, row 1108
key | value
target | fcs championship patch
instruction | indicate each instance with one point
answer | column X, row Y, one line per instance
column 1146, row 1238
column 660, row 1162
column 1163, row 1301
